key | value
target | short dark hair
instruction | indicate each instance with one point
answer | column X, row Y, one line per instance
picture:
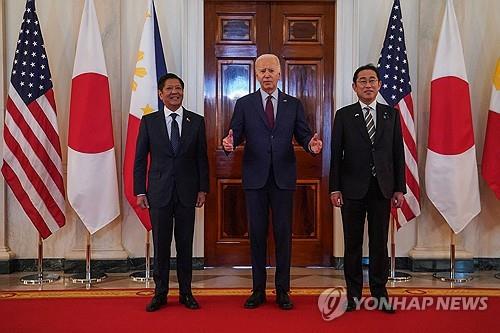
column 371, row 67
column 161, row 81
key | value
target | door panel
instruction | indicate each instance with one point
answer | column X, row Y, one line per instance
column 302, row 36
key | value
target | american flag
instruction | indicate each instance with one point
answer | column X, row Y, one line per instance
column 396, row 90
column 32, row 165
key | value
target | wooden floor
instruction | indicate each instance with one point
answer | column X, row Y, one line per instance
column 241, row 279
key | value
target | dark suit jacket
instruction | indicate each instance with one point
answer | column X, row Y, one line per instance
column 189, row 167
column 264, row 145
column 352, row 152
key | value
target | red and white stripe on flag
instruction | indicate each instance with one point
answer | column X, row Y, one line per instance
column 411, row 206
column 92, row 178
column 396, row 91
column 491, row 153
column 451, row 176
column 32, row 164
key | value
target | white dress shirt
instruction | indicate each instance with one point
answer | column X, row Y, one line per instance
column 373, row 111
column 169, row 119
column 274, row 100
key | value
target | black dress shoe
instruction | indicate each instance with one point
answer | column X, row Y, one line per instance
column 156, row 303
column 283, row 301
column 385, row 306
column 257, row 298
column 189, row 301
column 351, row 306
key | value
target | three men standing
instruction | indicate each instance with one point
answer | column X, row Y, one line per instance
column 366, row 178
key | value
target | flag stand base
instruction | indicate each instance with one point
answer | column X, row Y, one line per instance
column 455, row 277
column 395, row 276
column 399, row 277
column 147, row 274
column 85, row 278
column 142, row 276
column 39, row 278
column 452, row 276
column 89, row 276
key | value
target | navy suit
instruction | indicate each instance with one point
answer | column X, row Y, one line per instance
column 365, row 195
column 173, row 182
column 269, row 177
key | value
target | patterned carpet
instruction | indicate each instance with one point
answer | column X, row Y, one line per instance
column 143, row 292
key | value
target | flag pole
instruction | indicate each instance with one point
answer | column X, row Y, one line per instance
column 88, row 277
column 394, row 275
column 144, row 276
column 452, row 275
column 40, row 277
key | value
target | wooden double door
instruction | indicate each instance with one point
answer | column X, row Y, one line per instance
column 301, row 34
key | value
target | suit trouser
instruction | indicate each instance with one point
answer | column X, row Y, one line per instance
column 162, row 221
column 281, row 204
column 376, row 208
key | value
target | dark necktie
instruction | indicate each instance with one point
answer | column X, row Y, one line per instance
column 174, row 133
column 370, row 124
column 270, row 111
column 370, row 127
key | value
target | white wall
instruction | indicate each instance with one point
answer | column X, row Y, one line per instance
column 480, row 32
column 121, row 24
column 361, row 26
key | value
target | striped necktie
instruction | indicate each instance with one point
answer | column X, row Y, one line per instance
column 370, row 127
column 370, row 124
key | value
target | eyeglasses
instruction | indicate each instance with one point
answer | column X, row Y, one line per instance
column 364, row 83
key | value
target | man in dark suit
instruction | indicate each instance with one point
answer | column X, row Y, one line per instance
column 267, row 120
column 177, row 182
column 367, row 175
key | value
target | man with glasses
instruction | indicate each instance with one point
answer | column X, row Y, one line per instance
column 367, row 176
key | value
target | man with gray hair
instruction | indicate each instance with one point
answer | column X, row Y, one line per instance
column 268, row 120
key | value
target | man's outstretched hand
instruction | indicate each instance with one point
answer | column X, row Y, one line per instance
column 315, row 144
column 228, row 142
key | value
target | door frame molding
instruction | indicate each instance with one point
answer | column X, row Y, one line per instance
column 327, row 247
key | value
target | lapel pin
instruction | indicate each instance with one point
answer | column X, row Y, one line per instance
column 386, row 115
column 188, row 120
column 356, row 115
column 284, row 101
